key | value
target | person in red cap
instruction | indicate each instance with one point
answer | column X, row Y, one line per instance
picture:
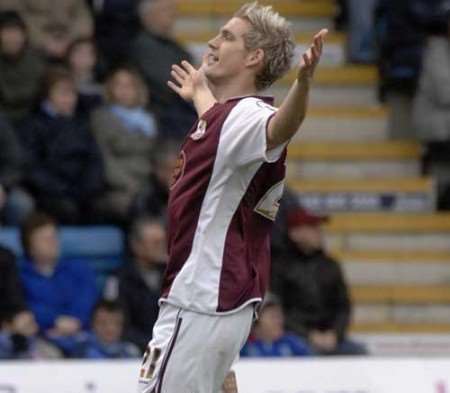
column 312, row 287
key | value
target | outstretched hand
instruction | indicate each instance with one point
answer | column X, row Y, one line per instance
column 188, row 80
column 311, row 57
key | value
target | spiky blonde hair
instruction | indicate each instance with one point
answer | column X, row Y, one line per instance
column 270, row 32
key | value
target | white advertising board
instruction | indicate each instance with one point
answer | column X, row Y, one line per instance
column 262, row 376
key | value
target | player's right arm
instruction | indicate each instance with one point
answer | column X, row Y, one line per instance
column 192, row 86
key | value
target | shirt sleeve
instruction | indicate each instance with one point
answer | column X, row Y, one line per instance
column 244, row 133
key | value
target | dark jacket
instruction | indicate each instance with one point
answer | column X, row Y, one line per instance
column 152, row 201
column 63, row 158
column 313, row 292
column 140, row 301
column 19, row 84
column 176, row 117
column 11, row 296
column 11, row 156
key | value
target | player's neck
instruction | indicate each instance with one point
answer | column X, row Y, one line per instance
column 225, row 91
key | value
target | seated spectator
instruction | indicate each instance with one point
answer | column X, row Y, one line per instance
column 15, row 203
column 141, row 278
column 82, row 62
column 312, row 288
column 152, row 200
column 65, row 170
column 41, row 15
column 21, row 68
column 18, row 328
column 158, row 18
column 56, row 43
column 60, row 292
column 19, row 340
column 125, row 132
column 431, row 114
column 116, row 25
column 269, row 338
column 105, row 340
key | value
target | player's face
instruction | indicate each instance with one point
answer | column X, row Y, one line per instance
column 227, row 55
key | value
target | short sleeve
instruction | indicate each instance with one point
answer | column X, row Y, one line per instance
column 244, row 133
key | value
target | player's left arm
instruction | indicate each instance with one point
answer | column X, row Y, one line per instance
column 289, row 117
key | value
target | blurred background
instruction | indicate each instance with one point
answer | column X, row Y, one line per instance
column 89, row 137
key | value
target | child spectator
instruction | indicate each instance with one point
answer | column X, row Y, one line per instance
column 65, row 170
column 125, row 132
column 82, row 62
column 60, row 292
column 105, row 340
column 21, row 68
column 269, row 337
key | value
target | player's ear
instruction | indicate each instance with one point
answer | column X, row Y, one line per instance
column 255, row 57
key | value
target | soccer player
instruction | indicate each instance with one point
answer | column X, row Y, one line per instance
column 224, row 198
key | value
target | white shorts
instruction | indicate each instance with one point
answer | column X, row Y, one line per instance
column 192, row 352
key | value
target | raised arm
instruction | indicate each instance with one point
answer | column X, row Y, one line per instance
column 192, row 86
column 285, row 123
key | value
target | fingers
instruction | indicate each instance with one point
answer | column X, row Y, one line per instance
column 174, row 87
column 188, row 67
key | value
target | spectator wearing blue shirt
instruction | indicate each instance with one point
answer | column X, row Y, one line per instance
column 269, row 336
column 60, row 292
column 105, row 341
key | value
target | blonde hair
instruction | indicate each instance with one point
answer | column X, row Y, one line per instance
column 270, row 32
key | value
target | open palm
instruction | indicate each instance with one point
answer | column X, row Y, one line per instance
column 311, row 57
column 188, row 80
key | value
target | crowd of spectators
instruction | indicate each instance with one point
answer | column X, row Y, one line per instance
column 89, row 134
column 409, row 41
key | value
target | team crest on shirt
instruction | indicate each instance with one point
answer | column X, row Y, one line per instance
column 200, row 131
column 269, row 204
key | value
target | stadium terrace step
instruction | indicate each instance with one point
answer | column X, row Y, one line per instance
column 353, row 160
column 376, row 195
column 415, row 343
column 407, row 294
column 346, row 75
column 401, row 313
column 288, row 8
column 358, row 151
column 400, row 328
column 323, row 127
column 413, row 185
column 391, row 223
column 408, row 232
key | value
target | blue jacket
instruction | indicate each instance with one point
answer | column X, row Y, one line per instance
column 88, row 346
column 287, row 346
column 70, row 290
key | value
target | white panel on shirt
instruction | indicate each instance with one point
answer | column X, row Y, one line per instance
column 240, row 154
